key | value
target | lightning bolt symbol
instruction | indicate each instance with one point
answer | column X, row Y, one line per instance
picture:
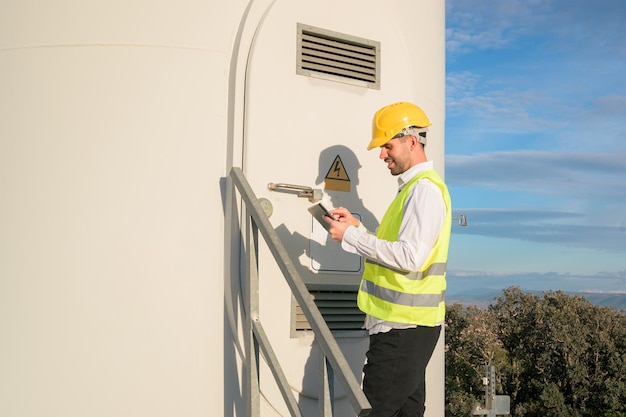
column 337, row 169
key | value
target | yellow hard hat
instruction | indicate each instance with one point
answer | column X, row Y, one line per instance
column 391, row 119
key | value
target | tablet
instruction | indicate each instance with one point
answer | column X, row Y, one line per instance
column 319, row 212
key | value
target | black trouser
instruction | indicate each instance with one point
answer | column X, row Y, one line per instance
column 395, row 371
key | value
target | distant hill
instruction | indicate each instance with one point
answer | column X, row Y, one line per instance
column 617, row 301
column 482, row 297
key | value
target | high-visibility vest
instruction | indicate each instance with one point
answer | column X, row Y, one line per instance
column 408, row 297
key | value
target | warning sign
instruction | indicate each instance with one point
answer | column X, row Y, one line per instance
column 337, row 178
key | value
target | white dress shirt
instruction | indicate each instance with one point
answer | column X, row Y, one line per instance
column 423, row 218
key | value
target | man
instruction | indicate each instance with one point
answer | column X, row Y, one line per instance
column 403, row 284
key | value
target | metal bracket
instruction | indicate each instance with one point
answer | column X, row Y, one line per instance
column 313, row 195
column 461, row 219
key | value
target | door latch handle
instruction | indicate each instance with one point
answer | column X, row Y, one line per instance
column 302, row 191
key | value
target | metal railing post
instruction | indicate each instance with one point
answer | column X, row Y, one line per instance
column 326, row 380
column 252, row 307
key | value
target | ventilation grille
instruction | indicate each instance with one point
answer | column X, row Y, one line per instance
column 338, row 57
column 338, row 308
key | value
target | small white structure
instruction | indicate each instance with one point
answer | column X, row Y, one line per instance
column 121, row 246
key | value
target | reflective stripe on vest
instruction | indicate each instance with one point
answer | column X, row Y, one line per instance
column 438, row 268
column 402, row 298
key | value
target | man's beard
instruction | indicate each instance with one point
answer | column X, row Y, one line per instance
column 394, row 169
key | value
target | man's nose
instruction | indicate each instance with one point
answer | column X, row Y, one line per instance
column 383, row 153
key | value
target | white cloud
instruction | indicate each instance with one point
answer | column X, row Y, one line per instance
column 491, row 25
column 611, row 239
column 461, row 281
column 594, row 27
column 591, row 185
column 609, row 106
column 502, row 107
column 553, row 70
column 567, row 174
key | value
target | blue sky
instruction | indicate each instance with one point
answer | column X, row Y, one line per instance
column 536, row 143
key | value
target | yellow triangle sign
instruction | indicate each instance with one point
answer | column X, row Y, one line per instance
column 337, row 178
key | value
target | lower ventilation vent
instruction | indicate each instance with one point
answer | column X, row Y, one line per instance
column 339, row 309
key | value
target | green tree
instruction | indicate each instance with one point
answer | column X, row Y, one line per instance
column 555, row 355
column 471, row 343
column 563, row 344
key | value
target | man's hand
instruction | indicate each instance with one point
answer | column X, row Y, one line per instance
column 344, row 219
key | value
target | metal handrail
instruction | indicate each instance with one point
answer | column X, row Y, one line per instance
column 333, row 357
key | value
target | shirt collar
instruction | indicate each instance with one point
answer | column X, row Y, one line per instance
column 410, row 173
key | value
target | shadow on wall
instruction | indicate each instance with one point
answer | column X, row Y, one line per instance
column 335, row 164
